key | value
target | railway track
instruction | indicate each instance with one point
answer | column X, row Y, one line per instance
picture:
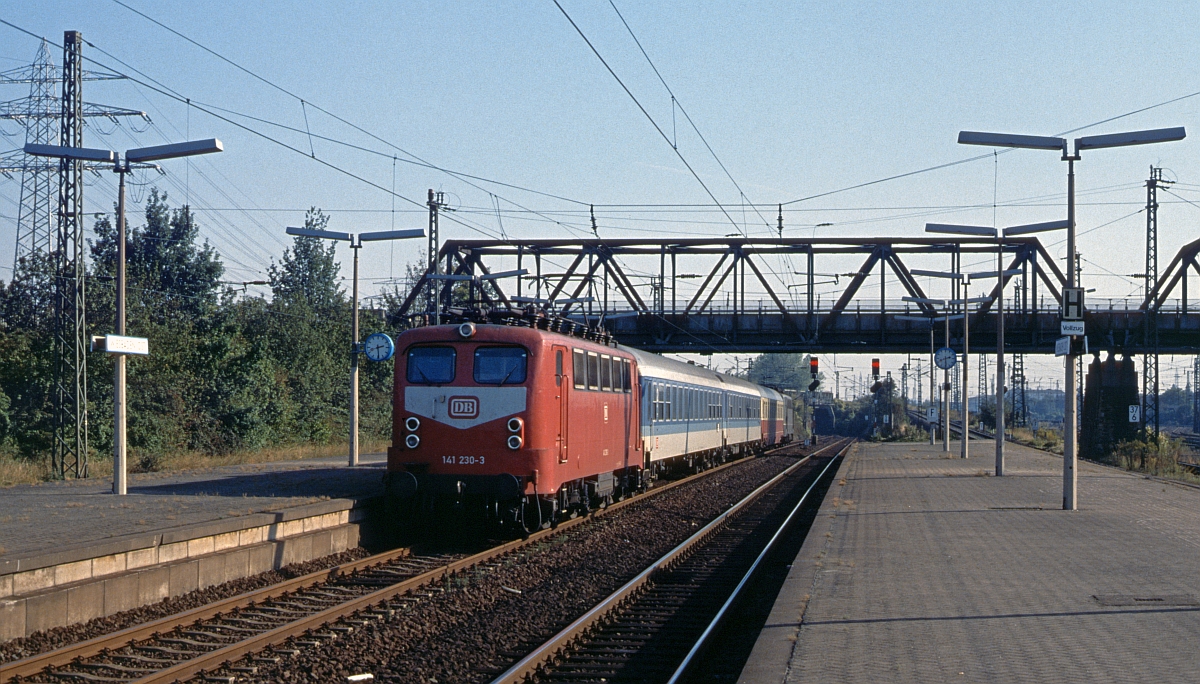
column 955, row 427
column 237, row 635
column 654, row 627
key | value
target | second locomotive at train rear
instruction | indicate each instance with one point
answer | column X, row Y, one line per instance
column 527, row 426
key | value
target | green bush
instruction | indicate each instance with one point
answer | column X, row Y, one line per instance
column 1154, row 457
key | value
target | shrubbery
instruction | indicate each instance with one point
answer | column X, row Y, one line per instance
column 1159, row 457
column 226, row 373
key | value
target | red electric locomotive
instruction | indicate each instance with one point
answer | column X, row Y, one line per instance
column 487, row 416
column 529, row 426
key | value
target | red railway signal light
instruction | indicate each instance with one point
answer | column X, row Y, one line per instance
column 875, row 367
column 812, row 366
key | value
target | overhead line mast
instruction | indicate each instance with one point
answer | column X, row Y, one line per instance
column 57, row 234
column 1150, row 385
column 69, row 454
column 40, row 114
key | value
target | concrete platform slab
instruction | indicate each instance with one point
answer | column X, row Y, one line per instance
column 924, row 568
column 42, row 525
column 71, row 551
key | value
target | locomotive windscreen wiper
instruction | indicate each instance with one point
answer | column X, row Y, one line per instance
column 417, row 367
column 506, row 377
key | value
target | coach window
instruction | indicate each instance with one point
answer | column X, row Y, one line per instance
column 606, row 372
column 500, row 365
column 593, row 370
column 579, row 363
column 431, row 365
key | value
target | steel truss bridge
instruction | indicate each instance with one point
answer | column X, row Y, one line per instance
column 630, row 287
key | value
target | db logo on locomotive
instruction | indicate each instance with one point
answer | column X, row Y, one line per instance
column 463, row 407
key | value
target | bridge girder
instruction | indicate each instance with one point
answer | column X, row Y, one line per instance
column 597, row 268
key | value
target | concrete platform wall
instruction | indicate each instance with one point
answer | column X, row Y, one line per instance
column 72, row 586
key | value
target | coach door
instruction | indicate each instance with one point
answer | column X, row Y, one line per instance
column 562, row 385
column 772, row 416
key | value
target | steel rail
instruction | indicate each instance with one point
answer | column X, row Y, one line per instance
column 67, row 655
column 956, row 426
column 720, row 616
column 528, row 665
column 86, row 649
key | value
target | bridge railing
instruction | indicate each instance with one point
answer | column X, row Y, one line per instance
column 824, row 306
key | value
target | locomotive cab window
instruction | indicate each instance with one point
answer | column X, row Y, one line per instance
column 431, row 365
column 579, row 365
column 500, row 365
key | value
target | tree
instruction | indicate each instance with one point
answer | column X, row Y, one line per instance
column 28, row 301
column 308, row 272
column 782, row 371
column 165, row 264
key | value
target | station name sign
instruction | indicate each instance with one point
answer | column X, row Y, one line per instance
column 121, row 344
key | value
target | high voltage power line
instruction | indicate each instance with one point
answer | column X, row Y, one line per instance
column 545, row 215
column 308, row 103
column 647, row 115
column 166, row 91
column 676, row 103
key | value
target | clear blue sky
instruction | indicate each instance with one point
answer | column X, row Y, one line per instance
column 795, row 98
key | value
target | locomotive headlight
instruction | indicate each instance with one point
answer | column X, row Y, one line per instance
column 515, row 424
column 412, row 441
column 466, row 329
column 514, row 442
column 412, row 423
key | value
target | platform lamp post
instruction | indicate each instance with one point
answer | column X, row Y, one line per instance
column 966, row 303
column 933, row 321
column 118, row 344
column 1091, row 142
column 998, row 235
column 355, row 347
column 946, row 317
column 966, row 393
column 946, row 373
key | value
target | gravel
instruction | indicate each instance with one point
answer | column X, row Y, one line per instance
column 478, row 623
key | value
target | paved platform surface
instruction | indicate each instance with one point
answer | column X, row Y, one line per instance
column 921, row 568
column 43, row 518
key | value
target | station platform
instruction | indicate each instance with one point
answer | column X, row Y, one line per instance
column 923, row 567
column 72, row 551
